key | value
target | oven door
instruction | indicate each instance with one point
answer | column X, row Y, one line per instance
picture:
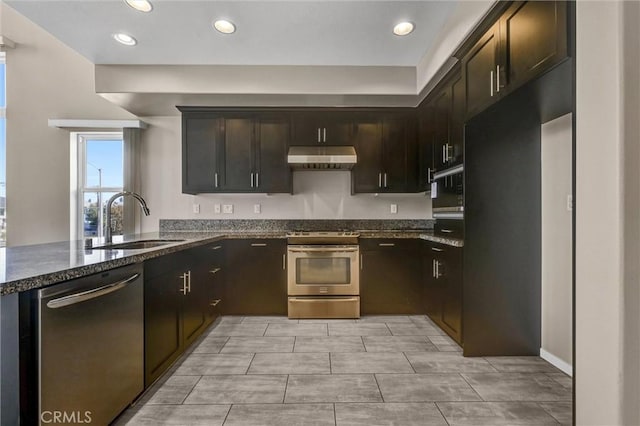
column 323, row 270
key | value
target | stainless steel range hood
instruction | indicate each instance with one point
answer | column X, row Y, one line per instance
column 322, row 157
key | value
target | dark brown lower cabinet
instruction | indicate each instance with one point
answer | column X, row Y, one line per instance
column 443, row 287
column 255, row 279
column 180, row 289
column 390, row 277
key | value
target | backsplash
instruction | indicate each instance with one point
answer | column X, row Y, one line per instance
column 292, row 224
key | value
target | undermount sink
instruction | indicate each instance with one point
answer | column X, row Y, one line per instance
column 136, row 245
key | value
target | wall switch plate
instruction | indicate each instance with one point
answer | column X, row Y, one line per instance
column 256, row 208
column 216, row 208
column 569, row 202
column 227, row 208
column 394, row 208
column 196, row 208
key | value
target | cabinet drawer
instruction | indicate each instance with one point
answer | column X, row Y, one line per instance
column 376, row 244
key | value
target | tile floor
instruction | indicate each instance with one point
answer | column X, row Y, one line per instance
column 379, row 370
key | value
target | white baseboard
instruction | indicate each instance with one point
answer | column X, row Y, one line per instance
column 556, row 362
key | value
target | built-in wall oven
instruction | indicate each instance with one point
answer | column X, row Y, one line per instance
column 323, row 275
column 447, row 193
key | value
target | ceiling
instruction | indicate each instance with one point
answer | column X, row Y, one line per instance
column 332, row 53
column 334, row 32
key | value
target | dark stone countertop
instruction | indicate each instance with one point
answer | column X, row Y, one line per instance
column 29, row 267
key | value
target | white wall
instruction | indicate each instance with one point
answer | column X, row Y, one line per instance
column 45, row 79
column 557, row 241
column 317, row 195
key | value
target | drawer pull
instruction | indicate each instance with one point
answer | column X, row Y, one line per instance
column 258, row 244
column 216, row 248
column 436, row 249
column 387, row 244
column 215, row 271
column 215, row 302
column 447, row 231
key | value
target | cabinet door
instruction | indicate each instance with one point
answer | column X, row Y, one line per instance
column 390, row 277
column 442, row 121
column 162, row 315
column 395, row 138
column 431, row 286
column 239, row 138
column 255, row 277
column 201, row 138
column 426, row 133
column 456, row 123
column 366, row 175
column 451, row 271
column 534, row 34
column 322, row 128
column 273, row 173
column 479, row 69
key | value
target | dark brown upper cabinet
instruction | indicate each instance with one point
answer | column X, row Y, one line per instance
column 201, row 139
column 386, row 147
column 425, row 122
column 235, row 152
column 322, row 128
column 529, row 38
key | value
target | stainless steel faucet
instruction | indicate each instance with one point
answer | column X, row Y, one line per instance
column 141, row 201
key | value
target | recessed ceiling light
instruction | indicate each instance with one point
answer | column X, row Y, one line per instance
column 403, row 28
column 141, row 5
column 224, row 26
column 125, row 39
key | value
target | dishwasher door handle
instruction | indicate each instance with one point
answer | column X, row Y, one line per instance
column 72, row 299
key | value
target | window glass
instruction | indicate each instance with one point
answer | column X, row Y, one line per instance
column 104, row 163
column 3, row 97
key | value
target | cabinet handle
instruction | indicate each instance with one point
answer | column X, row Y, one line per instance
column 257, row 179
column 387, row 244
column 215, row 302
column 252, row 180
column 379, row 180
column 437, row 270
column 385, row 180
column 361, row 262
column 444, row 159
column 216, row 248
column 447, row 231
column 189, row 281
column 497, row 78
column 429, row 175
column 491, row 78
column 433, row 268
column 215, row 177
column 258, row 244
column 436, row 249
column 319, row 139
column 284, row 262
column 215, row 271
column 183, row 290
column 324, row 134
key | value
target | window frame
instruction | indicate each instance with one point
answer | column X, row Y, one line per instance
column 3, row 116
column 81, row 185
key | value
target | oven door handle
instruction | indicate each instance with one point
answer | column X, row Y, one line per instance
column 323, row 249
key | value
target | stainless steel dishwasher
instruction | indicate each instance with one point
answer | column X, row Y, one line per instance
column 90, row 347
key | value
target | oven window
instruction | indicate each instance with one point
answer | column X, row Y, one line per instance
column 323, row 271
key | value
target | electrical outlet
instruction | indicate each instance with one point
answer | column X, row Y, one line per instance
column 569, row 202
column 227, row 208
column 256, row 208
column 394, row 208
column 196, row 208
column 216, row 208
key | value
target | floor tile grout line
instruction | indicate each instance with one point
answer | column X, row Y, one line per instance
column 190, row 391
column 471, row 386
column 407, row 358
column 249, row 365
column 538, row 403
column 375, row 377
column 286, row 388
column 227, row 415
column 441, row 413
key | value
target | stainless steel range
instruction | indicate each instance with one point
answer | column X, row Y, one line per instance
column 323, row 275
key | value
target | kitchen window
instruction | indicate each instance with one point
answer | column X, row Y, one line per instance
column 3, row 153
column 100, row 176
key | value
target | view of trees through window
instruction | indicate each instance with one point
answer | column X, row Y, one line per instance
column 102, row 177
